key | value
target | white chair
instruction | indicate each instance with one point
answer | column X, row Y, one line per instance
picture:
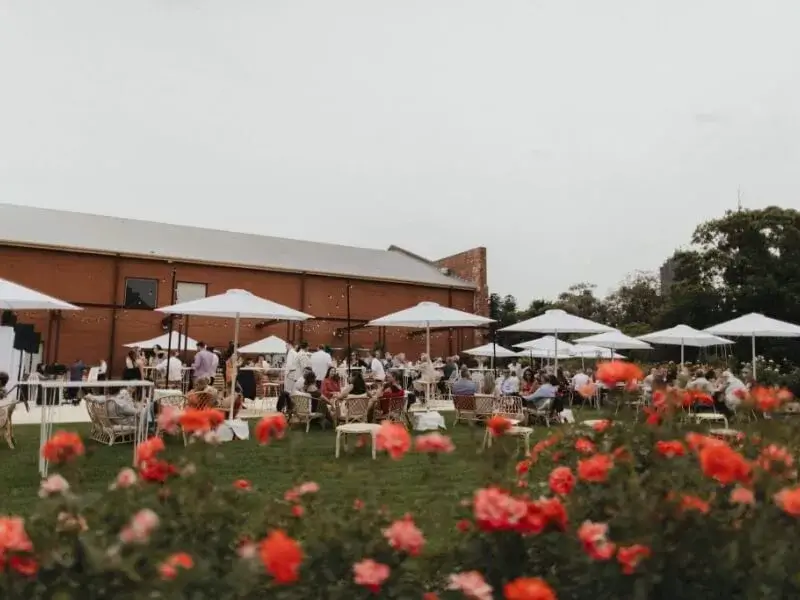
column 342, row 431
column 712, row 417
column 510, row 407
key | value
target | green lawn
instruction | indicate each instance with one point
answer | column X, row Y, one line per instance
column 431, row 491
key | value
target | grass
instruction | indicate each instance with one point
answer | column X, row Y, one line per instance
column 431, row 491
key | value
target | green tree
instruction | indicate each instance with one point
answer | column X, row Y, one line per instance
column 636, row 306
column 579, row 299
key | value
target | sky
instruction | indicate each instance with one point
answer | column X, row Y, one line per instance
column 578, row 141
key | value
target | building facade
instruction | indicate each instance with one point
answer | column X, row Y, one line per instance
column 117, row 278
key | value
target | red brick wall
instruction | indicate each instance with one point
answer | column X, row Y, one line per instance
column 470, row 265
column 85, row 279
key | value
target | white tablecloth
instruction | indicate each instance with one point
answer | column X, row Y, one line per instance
column 428, row 421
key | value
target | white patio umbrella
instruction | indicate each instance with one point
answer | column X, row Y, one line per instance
column 429, row 314
column 492, row 351
column 755, row 325
column 236, row 304
column 556, row 321
column 548, row 346
column 14, row 296
column 269, row 345
column 683, row 335
column 591, row 351
column 176, row 341
column 615, row 340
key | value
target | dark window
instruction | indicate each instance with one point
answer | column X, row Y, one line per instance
column 141, row 293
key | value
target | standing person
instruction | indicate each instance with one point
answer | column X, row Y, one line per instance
column 376, row 366
column 131, row 372
column 76, row 370
column 204, row 364
column 303, row 360
column 291, row 367
column 320, row 362
column 172, row 367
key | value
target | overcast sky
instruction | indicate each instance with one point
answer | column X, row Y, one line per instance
column 576, row 140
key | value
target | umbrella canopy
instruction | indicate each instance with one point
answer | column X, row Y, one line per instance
column 548, row 343
column 269, row 345
column 590, row 351
column 557, row 321
column 175, row 341
column 683, row 335
column 755, row 325
column 236, row 304
column 14, row 296
column 616, row 340
column 427, row 315
column 538, row 353
column 430, row 314
column 491, row 350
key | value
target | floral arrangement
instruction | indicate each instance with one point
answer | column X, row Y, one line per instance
column 618, row 510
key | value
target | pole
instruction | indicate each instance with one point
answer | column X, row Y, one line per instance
column 234, row 365
column 753, row 345
column 171, row 323
column 555, row 346
column 349, row 343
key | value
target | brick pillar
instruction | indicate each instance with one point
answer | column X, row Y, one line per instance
column 470, row 265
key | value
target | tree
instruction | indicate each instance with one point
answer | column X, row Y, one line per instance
column 579, row 299
column 636, row 306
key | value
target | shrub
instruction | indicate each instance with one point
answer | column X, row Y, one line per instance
column 620, row 510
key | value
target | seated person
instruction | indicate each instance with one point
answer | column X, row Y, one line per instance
column 331, row 387
column 510, row 385
column 391, row 390
column 318, row 403
column 122, row 410
column 464, row 386
column 548, row 391
column 528, row 384
column 198, row 396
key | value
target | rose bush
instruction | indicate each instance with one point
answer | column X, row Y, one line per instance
column 618, row 510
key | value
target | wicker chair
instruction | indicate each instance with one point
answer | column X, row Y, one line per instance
column 107, row 427
column 543, row 413
column 6, row 410
column 391, row 409
column 356, row 409
column 301, row 410
column 177, row 401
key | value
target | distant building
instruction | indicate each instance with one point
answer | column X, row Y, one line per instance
column 667, row 275
column 119, row 270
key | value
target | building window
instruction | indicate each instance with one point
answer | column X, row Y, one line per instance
column 141, row 293
column 186, row 292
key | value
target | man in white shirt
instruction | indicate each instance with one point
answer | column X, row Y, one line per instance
column 510, row 385
column 376, row 366
column 320, row 362
column 173, row 367
column 580, row 379
column 303, row 360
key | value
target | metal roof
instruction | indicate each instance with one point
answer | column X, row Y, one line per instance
column 58, row 229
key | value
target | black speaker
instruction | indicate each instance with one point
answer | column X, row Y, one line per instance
column 8, row 319
column 24, row 337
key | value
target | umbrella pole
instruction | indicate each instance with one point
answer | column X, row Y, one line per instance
column 428, row 341
column 681, row 354
column 753, row 344
column 555, row 359
column 235, row 365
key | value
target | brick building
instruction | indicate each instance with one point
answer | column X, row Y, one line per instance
column 118, row 270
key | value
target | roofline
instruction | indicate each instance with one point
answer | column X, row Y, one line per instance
column 457, row 283
column 434, row 264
